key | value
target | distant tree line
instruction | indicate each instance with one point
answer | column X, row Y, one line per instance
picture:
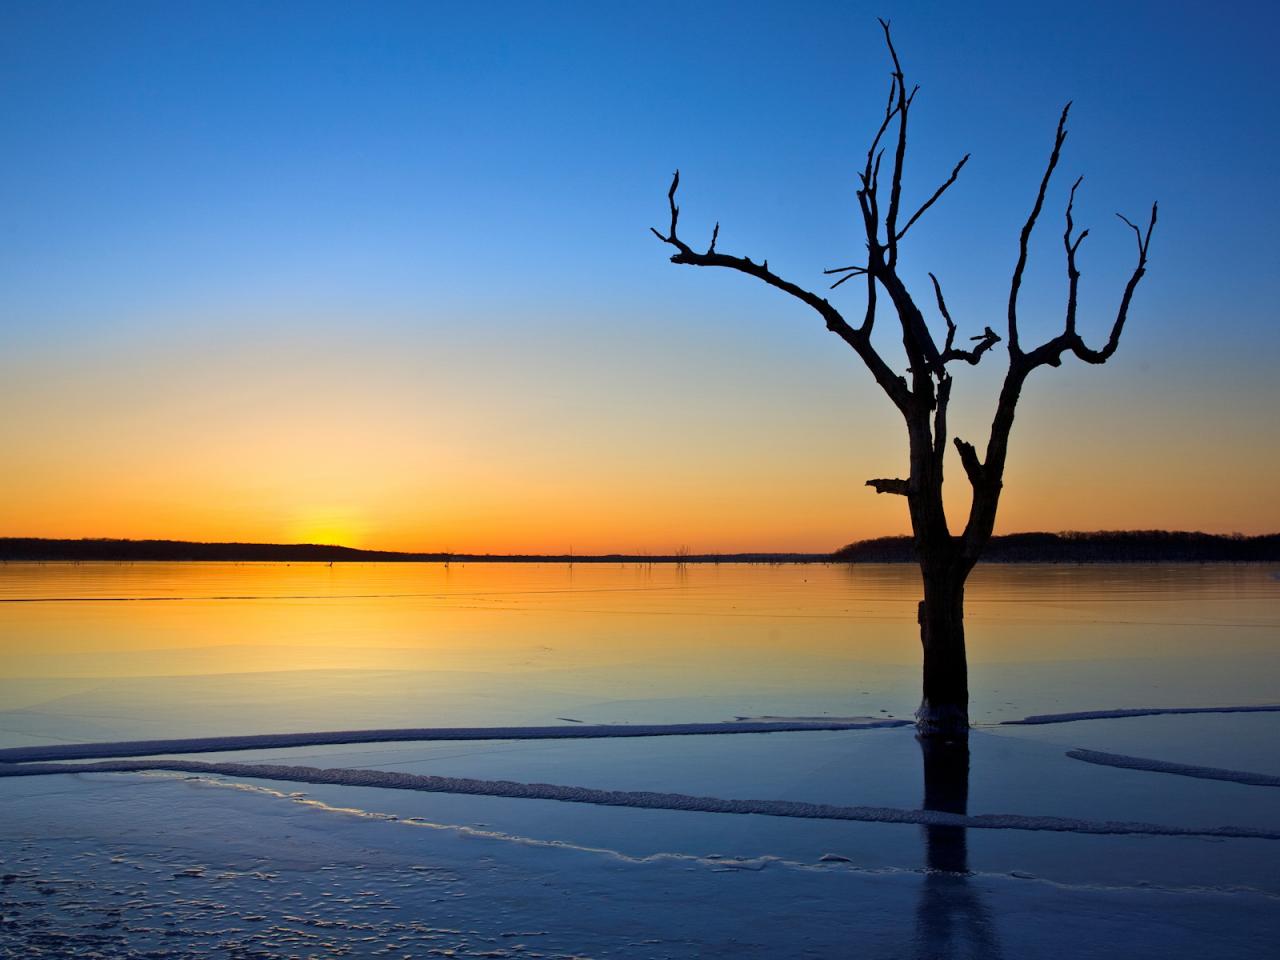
column 1112, row 546
column 39, row 549
column 1107, row 546
column 36, row 548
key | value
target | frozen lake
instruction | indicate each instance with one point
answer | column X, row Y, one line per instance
column 164, row 863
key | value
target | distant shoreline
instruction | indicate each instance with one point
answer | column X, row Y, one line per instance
column 1138, row 546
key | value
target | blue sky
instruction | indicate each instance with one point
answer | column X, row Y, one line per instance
column 473, row 187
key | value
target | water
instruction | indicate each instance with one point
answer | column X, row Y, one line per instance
column 109, row 651
column 211, row 865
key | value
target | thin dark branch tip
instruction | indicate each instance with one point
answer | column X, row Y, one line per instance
column 955, row 172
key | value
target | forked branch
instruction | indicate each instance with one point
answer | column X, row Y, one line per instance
column 986, row 340
column 987, row 474
column 1050, row 353
column 1139, row 271
column 849, row 273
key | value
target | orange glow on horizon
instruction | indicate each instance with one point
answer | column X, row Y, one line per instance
column 362, row 445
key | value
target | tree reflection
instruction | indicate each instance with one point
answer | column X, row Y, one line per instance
column 951, row 918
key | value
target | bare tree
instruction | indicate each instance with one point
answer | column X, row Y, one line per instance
column 922, row 394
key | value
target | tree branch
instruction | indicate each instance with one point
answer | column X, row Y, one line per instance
column 900, row 149
column 900, row 487
column 940, row 420
column 1070, row 246
column 1050, row 353
column 989, row 338
column 869, row 319
column 922, row 352
column 1117, row 328
column 893, row 385
column 936, row 194
column 969, row 458
column 868, row 196
column 872, row 170
column 1014, row 347
column 849, row 274
column 990, row 474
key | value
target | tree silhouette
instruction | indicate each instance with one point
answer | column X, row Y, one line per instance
column 922, row 395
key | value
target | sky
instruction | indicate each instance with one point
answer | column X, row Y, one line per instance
column 380, row 274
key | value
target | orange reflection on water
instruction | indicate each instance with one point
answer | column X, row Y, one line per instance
column 138, row 619
column 276, row 646
column 105, row 619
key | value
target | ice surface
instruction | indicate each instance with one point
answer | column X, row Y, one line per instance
column 250, row 871
column 876, row 768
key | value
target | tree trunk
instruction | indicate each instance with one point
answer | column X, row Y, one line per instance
column 944, row 707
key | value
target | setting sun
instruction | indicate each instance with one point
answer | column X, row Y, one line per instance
column 329, row 527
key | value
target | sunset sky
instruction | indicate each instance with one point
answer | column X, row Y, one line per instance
column 380, row 274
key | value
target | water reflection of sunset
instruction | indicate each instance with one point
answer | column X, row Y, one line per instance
column 696, row 626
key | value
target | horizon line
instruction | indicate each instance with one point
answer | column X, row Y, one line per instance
column 30, row 549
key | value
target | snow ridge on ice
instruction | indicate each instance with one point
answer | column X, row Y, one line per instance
column 1180, row 769
column 146, row 748
column 1138, row 712
column 359, row 777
